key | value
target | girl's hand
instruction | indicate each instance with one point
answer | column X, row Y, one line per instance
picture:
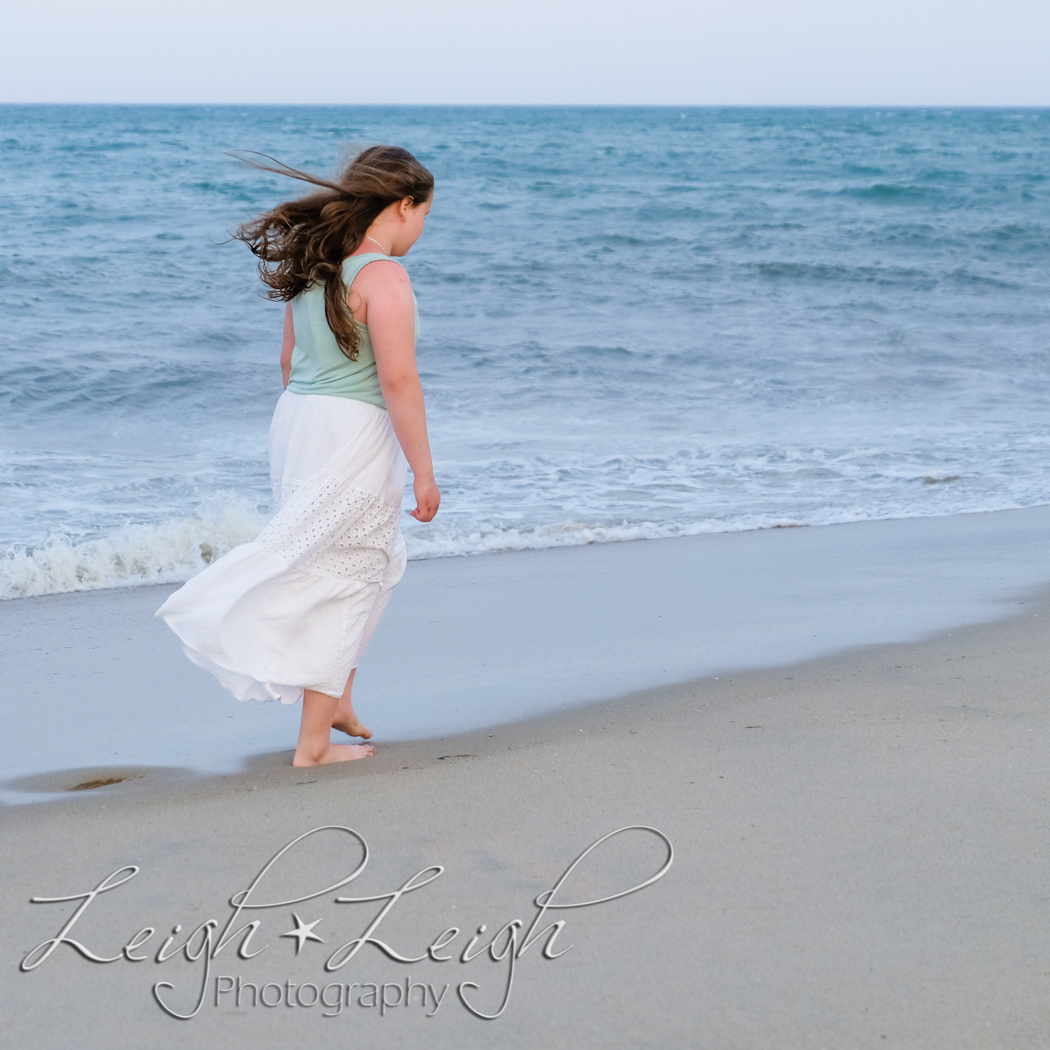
column 427, row 499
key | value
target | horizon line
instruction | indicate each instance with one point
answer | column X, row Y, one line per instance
column 561, row 105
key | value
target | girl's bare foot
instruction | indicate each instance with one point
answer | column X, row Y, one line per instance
column 344, row 718
column 352, row 726
column 334, row 753
column 320, row 713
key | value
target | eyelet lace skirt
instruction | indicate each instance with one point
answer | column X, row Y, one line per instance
column 295, row 608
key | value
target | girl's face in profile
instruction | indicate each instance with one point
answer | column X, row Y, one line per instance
column 415, row 220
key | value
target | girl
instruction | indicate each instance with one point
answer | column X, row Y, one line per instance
column 288, row 616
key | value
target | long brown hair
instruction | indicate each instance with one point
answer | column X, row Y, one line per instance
column 305, row 241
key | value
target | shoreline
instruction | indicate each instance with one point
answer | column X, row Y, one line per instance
column 495, row 641
column 272, row 770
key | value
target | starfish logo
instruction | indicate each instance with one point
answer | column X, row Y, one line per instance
column 303, row 932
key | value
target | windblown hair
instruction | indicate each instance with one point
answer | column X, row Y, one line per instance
column 305, row 241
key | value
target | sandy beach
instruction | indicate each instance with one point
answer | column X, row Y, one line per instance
column 857, row 800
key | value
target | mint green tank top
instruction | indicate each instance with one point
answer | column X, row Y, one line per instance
column 318, row 365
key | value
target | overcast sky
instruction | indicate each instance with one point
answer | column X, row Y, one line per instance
column 826, row 52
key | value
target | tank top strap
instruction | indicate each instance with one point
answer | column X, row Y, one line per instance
column 354, row 264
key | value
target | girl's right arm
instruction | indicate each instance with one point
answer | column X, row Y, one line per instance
column 391, row 326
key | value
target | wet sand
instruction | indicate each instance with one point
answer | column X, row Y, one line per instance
column 470, row 642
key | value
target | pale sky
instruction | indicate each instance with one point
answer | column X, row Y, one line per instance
column 736, row 52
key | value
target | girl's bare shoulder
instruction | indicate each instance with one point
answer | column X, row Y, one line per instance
column 382, row 275
column 381, row 285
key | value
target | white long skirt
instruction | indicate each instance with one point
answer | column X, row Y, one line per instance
column 295, row 608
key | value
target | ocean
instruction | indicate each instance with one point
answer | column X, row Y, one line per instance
column 637, row 322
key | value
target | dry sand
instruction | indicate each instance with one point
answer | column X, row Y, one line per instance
column 861, row 859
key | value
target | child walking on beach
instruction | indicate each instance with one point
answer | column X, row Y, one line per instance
column 288, row 616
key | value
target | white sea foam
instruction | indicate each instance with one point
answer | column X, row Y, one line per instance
column 173, row 551
column 169, row 552
column 488, row 538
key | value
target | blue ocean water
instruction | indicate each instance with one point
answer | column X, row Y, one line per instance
column 636, row 322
